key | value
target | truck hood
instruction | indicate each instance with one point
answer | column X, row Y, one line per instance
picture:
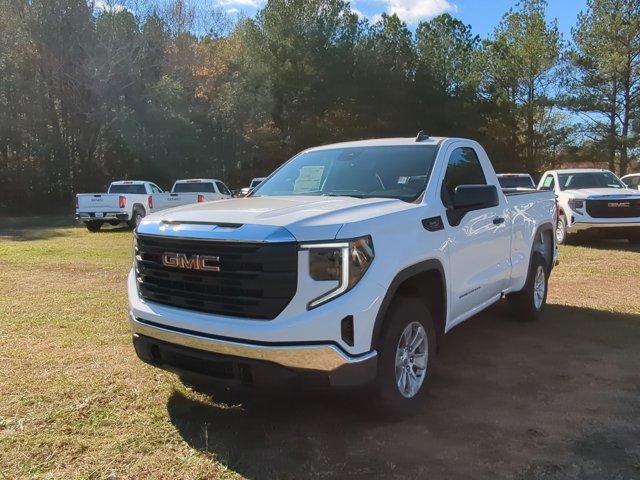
column 305, row 217
column 602, row 193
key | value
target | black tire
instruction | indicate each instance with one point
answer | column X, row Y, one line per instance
column 136, row 216
column 114, row 222
column 527, row 303
column 561, row 230
column 93, row 226
column 634, row 240
column 404, row 311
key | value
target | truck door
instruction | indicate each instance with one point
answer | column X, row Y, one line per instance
column 158, row 200
column 479, row 243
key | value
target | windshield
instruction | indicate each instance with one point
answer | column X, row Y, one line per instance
column 136, row 188
column 194, row 187
column 576, row 181
column 386, row 171
column 516, row 182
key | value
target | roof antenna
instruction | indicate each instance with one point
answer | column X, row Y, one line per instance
column 421, row 137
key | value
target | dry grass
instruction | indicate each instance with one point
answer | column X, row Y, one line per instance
column 76, row 402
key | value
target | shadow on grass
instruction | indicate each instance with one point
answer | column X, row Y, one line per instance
column 509, row 399
column 43, row 228
column 604, row 244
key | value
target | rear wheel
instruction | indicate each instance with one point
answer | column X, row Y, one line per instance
column 529, row 303
column 93, row 226
column 407, row 355
column 136, row 217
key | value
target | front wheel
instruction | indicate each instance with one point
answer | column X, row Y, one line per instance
column 407, row 355
column 561, row 230
column 529, row 303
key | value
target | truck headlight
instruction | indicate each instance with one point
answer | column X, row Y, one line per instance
column 575, row 204
column 345, row 262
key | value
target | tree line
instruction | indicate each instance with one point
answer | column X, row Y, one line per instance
column 96, row 92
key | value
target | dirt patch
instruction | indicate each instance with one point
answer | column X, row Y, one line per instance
column 555, row 399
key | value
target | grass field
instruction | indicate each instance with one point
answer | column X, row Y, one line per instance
column 75, row 402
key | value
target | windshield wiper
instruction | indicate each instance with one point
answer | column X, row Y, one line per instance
column 354, row 195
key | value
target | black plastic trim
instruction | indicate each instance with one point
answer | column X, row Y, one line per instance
column 413, row 270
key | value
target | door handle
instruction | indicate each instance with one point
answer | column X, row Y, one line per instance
column 498, row 220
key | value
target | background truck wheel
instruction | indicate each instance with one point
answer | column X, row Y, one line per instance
column 93, row 226
column 561, row 230
column 407, row 355
column 136, row 217
column 634, row 239
column 529, row 303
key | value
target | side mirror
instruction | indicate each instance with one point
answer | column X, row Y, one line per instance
column 475, row 197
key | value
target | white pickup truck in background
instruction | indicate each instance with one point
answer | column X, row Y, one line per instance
column 595, row 201
column 632, row 181
column 345, row 267
column 129, row 201
column 516, row 181
column 210, row 188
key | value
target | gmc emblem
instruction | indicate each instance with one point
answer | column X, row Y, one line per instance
column 207, row 263
column 619, row 204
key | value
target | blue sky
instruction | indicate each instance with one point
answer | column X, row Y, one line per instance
column 483, row 15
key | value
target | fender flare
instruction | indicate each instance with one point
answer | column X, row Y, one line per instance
column 545, row 227
column 403, row 275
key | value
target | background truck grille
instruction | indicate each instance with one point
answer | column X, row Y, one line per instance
column 613, row 208
column 256, row 280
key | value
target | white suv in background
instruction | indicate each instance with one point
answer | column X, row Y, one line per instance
column 593, row 200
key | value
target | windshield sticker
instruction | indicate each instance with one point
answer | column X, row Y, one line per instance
column 309, row 179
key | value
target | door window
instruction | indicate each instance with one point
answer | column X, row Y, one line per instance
column 632, row 182
column 155, row 188
column 463, row 169
column 222, row 188
column 549, row 183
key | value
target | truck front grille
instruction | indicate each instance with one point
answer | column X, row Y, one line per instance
column 255, row 280
column 613, row 208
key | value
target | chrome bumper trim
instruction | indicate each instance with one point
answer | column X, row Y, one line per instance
column 578, row 226
column 324, row 357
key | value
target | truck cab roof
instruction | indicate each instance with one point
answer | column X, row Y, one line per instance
column 578, row 170
column 130, row 182
column 381, row 142
column 197, row 180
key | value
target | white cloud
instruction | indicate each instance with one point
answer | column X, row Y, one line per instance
column 411, row 11
column 108, row 6
column 241, row 3
column 358, row 13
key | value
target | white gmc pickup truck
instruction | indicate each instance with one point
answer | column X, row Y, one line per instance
column 344, row 267
column 131, row 200
column 593, row 201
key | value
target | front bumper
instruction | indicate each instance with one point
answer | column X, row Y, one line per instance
column 611, row 226
column 156, row 344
